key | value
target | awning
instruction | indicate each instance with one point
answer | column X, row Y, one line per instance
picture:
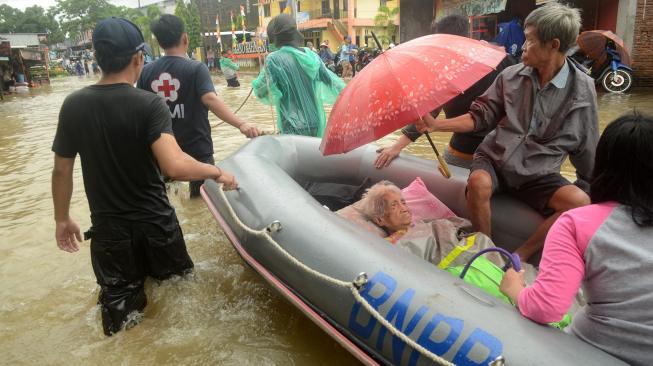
column 31, row 55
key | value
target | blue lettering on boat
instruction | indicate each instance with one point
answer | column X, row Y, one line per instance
column 380, row 289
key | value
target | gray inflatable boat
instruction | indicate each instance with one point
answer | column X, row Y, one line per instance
column 381, row 303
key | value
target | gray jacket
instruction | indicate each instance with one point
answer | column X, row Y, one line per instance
column 535, row 129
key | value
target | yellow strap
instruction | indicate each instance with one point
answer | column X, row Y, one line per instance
column 457, row 250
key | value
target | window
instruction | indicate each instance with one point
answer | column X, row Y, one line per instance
column 326, row 7
column 384, row 3
column 282, row 6
column 266, row 10
column 299, row 7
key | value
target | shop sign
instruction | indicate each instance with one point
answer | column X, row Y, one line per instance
column 473, row 7
column 249, row 47
column 31, row 55
column 302, row 17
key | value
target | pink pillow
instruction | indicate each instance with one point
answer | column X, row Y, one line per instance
column 423, row 204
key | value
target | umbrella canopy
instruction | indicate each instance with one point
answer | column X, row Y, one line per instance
column 403, row 84
column 593, row 45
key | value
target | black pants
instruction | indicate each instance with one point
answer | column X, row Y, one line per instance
column 233, row 82
column 195, row 185
column 123, row 253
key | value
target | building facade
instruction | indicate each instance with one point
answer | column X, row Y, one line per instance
column 626, row 18
column 332, row 20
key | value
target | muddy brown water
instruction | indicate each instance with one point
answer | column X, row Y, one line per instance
column 223, row 314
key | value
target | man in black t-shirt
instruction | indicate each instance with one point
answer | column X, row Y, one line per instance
column 123, row 136
column 187, row 88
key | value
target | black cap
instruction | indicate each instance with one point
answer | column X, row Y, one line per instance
column 122, row 35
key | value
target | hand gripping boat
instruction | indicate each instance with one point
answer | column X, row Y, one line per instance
column 382, row 304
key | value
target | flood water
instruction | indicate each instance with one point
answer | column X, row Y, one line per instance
column 223, row 314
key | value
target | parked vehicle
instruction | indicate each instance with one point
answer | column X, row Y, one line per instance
column 365, row 56
column 335, row 66
column 603, row 53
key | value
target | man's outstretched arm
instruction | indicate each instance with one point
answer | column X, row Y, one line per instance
column 178, row 165
column 217, row 106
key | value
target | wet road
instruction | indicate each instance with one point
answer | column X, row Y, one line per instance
column 224, row 314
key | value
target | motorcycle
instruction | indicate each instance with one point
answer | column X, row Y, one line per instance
column 612, row 74
column 365, row 57
column 335, row 65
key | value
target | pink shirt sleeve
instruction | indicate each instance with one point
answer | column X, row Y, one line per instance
column 562, row 267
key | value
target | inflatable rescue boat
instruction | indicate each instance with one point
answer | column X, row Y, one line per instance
column 383, row 304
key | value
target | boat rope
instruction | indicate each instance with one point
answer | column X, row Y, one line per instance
column 354, row 286
column 244, row 101
column 269, row 91
column 237, row 109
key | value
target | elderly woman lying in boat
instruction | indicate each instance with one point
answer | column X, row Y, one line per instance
column 383, row 210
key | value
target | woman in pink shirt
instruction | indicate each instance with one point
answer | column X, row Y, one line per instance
column 606, row 247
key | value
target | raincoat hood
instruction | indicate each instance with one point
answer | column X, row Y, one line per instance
column 308, row 60
column 282, row 31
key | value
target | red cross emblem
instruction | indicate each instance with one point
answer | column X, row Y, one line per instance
column 166, row 87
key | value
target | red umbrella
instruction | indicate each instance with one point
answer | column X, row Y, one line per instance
column 403, row 84
column 593, row 44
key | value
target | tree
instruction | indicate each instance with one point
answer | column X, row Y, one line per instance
column 33, row 20
column 8, row 18
column 195, row 26
column 181, row 11
column 79, row 16
column 384, row 22
column 143, row 21
column 190, row 15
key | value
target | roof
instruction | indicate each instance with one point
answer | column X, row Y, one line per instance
column 22, row 40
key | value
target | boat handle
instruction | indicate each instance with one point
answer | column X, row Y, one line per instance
column 275, row 226
column 470, row 293
column 499, row 361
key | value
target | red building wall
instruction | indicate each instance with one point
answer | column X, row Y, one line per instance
column 607, row 15
column 642, row 53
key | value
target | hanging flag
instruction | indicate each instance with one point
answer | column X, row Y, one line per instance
column 289, row 7
column 234, row 41
column 242, row 21
column 217, row 29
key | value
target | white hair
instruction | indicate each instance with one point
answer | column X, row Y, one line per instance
column 555, row 20
column 374, row 205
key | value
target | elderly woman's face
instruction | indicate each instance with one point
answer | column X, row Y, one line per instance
column 397, row 216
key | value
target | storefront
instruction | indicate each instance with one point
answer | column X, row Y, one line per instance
column 34, row 64
column 24, row 59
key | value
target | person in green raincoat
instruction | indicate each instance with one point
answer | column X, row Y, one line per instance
column 229, row 69
column 295, row 81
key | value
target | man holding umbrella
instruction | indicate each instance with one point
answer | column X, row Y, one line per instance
column 542, row 111
column 461, row 147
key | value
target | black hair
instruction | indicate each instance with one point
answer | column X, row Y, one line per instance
column 168, row 30
column 455, row 24
column 623, row 168
column 107, row 59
